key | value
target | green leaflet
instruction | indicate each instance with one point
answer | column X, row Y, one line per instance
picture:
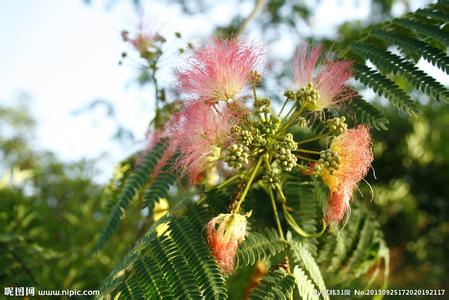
column 275, row 285
column 416, row 35
column 176, row 264
column 135, row 182
column 306, row 289
column 305, row 258
column 258, row 247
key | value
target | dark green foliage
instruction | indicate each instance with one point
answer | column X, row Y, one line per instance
column 419, row 34
column 384, row 86
column 135, row 182
column 218, row 200
column 361, row 111
column 203, row 266
column 258, row 247
column 393, row 64
column 438, row 11
column 424, row 30
column 176, row 264
column 304, row 258
column 306, row 200
column 304, row 286
column 350, row 253
column 115, row 186
column 117, row 275
column 412, row 45
column 275, row 285
column 160, row 186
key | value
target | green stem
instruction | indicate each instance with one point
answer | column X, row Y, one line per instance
column 281, row 194
column 276, row 214
column 254, row 91
column 153, row 68
column 283, row 106
column 259, row 5
column 290, row 111
column 236, row 207
column 308, row 151
column 311, row 139
column 291, row 221
column 229, row 180
column 275, row 210
column 292, row 119
column 306, row 158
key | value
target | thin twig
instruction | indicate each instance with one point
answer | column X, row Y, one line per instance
column 259, row 5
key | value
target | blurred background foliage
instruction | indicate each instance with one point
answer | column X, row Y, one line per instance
column 51, row 211
column 49, row 214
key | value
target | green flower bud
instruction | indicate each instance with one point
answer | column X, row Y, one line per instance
column 246, row 137
column 271, row 179
column 289, row 143
column 302, row 122
column 329, row 160
column 290, row 95
column 268, row 125
column 236, row 156
column 336, row 126
column 286, row 159
column 308, row 96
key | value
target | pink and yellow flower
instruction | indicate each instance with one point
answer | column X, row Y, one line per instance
column 328, row 80
column 353, row 148
column 219, row 71
column 201, row 132
column 224, row 235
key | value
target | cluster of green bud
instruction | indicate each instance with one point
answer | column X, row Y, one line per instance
column 290, row 95
column 329, row 160
column 259, row 140
column 262, row 105
column 289, row 143
column 336, row 126
column 302, row 122
column 271, row 179
column 308, row 96
column 237, row 156
column 245, row 137
column 286, row 158
column 268, row 125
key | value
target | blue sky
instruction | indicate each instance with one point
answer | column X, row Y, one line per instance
column 65, row 54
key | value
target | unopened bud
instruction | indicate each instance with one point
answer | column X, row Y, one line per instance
column 224, row 234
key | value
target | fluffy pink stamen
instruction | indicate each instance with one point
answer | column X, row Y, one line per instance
column 219, row 71
column 224, row 252
column 200, row 132
column 224, row 235
column 329, row 81
column 354, row 150
column 304, row 64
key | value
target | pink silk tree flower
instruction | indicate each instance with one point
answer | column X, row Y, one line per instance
column 219, row 71
column 146, row 38
column 201, row 132
column 224, row 235
column 321, row 87
column 353, row 148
